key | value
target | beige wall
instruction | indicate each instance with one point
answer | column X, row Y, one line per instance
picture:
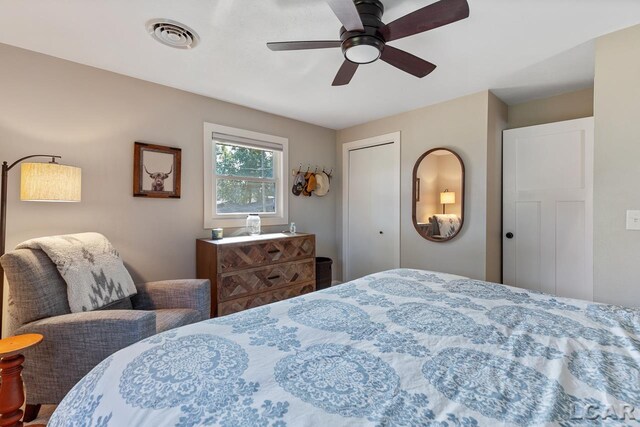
column 568, row 106
column 461, row 125
column 438, row 173
column 429, row 199
column 92, row 118
column 449, row 178
column 496, row 123
column 617, row 167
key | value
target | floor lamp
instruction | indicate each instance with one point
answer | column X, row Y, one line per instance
column 39, row 182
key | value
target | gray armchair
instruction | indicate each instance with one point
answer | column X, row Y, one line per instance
column 76, row 342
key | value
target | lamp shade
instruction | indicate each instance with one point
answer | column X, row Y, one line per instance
column 50, row 182
column 447, row 198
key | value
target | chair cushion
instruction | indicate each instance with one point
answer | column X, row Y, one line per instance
column 174, row 317
column 121, row 304
column 435, row 229
column 37, row 290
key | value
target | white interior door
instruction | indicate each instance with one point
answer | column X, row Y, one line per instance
column 373, row 209
column 548, row 208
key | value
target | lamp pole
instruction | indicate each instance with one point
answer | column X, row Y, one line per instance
column 3, row 221
column 3, row 218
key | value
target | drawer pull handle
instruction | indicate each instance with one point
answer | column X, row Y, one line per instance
column 277, row 276
column 274, row 251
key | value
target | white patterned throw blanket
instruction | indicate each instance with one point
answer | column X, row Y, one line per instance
column 449, row 224
column 91, row 267
column 399, row 348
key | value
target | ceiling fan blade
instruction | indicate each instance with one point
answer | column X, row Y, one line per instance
column 347, row 13
column 319, row 44
column 407, row 62
column 433, row 16
column 345, row 73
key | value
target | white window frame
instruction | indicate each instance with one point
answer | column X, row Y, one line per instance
column 211, row 218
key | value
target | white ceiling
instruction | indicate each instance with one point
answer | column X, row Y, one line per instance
column 521, row 49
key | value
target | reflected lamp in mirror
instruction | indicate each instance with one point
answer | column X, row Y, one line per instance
column 447, row 198
column 438, row 202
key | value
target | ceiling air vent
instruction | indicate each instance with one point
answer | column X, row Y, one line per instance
column 172, row 33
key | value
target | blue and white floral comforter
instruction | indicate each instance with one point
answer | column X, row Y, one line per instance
column 404, row 347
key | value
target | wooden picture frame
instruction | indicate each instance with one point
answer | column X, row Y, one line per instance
column 156, row 171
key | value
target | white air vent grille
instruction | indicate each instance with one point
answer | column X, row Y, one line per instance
column 172, row 33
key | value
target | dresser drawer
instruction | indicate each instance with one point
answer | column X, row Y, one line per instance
column 236, row 257
column 268, row 297
column 248, row 282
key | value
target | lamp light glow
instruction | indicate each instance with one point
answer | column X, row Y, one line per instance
column 447, row 198
column 50, row 182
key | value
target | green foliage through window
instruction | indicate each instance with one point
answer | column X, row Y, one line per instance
column 245, row 179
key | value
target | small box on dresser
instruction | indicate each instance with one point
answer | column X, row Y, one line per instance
column 251, row 271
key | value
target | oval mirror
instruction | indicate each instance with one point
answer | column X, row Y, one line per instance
column 438, row 195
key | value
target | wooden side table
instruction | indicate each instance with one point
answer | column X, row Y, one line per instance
column 11, row 389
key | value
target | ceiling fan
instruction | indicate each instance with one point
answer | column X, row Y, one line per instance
column 364, row 37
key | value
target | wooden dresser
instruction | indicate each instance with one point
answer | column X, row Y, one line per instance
column 251, row 271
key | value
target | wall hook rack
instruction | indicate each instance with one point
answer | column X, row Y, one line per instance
column 314, row 168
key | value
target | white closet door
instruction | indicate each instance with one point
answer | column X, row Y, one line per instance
column 373, row 211
column 548, row 208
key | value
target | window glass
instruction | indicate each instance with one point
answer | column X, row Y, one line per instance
column 234, row 160
column 240, row 196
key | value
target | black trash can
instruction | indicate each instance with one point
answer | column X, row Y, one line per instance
column 323, row 272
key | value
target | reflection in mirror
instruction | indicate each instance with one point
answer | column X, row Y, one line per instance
column 438, row 202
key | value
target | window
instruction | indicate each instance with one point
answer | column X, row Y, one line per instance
column 245, row 182
column 245, row 172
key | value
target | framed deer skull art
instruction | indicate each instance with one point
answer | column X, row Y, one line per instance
column 156, row 171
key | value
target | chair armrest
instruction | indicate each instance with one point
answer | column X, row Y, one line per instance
column 74, row 344
column 191, row 293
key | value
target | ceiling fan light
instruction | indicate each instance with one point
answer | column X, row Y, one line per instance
column 361, row 49
column 362, row 54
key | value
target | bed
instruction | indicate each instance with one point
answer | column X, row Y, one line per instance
column 402, row 347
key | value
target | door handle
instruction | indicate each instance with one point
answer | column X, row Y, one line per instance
column 509, row 235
